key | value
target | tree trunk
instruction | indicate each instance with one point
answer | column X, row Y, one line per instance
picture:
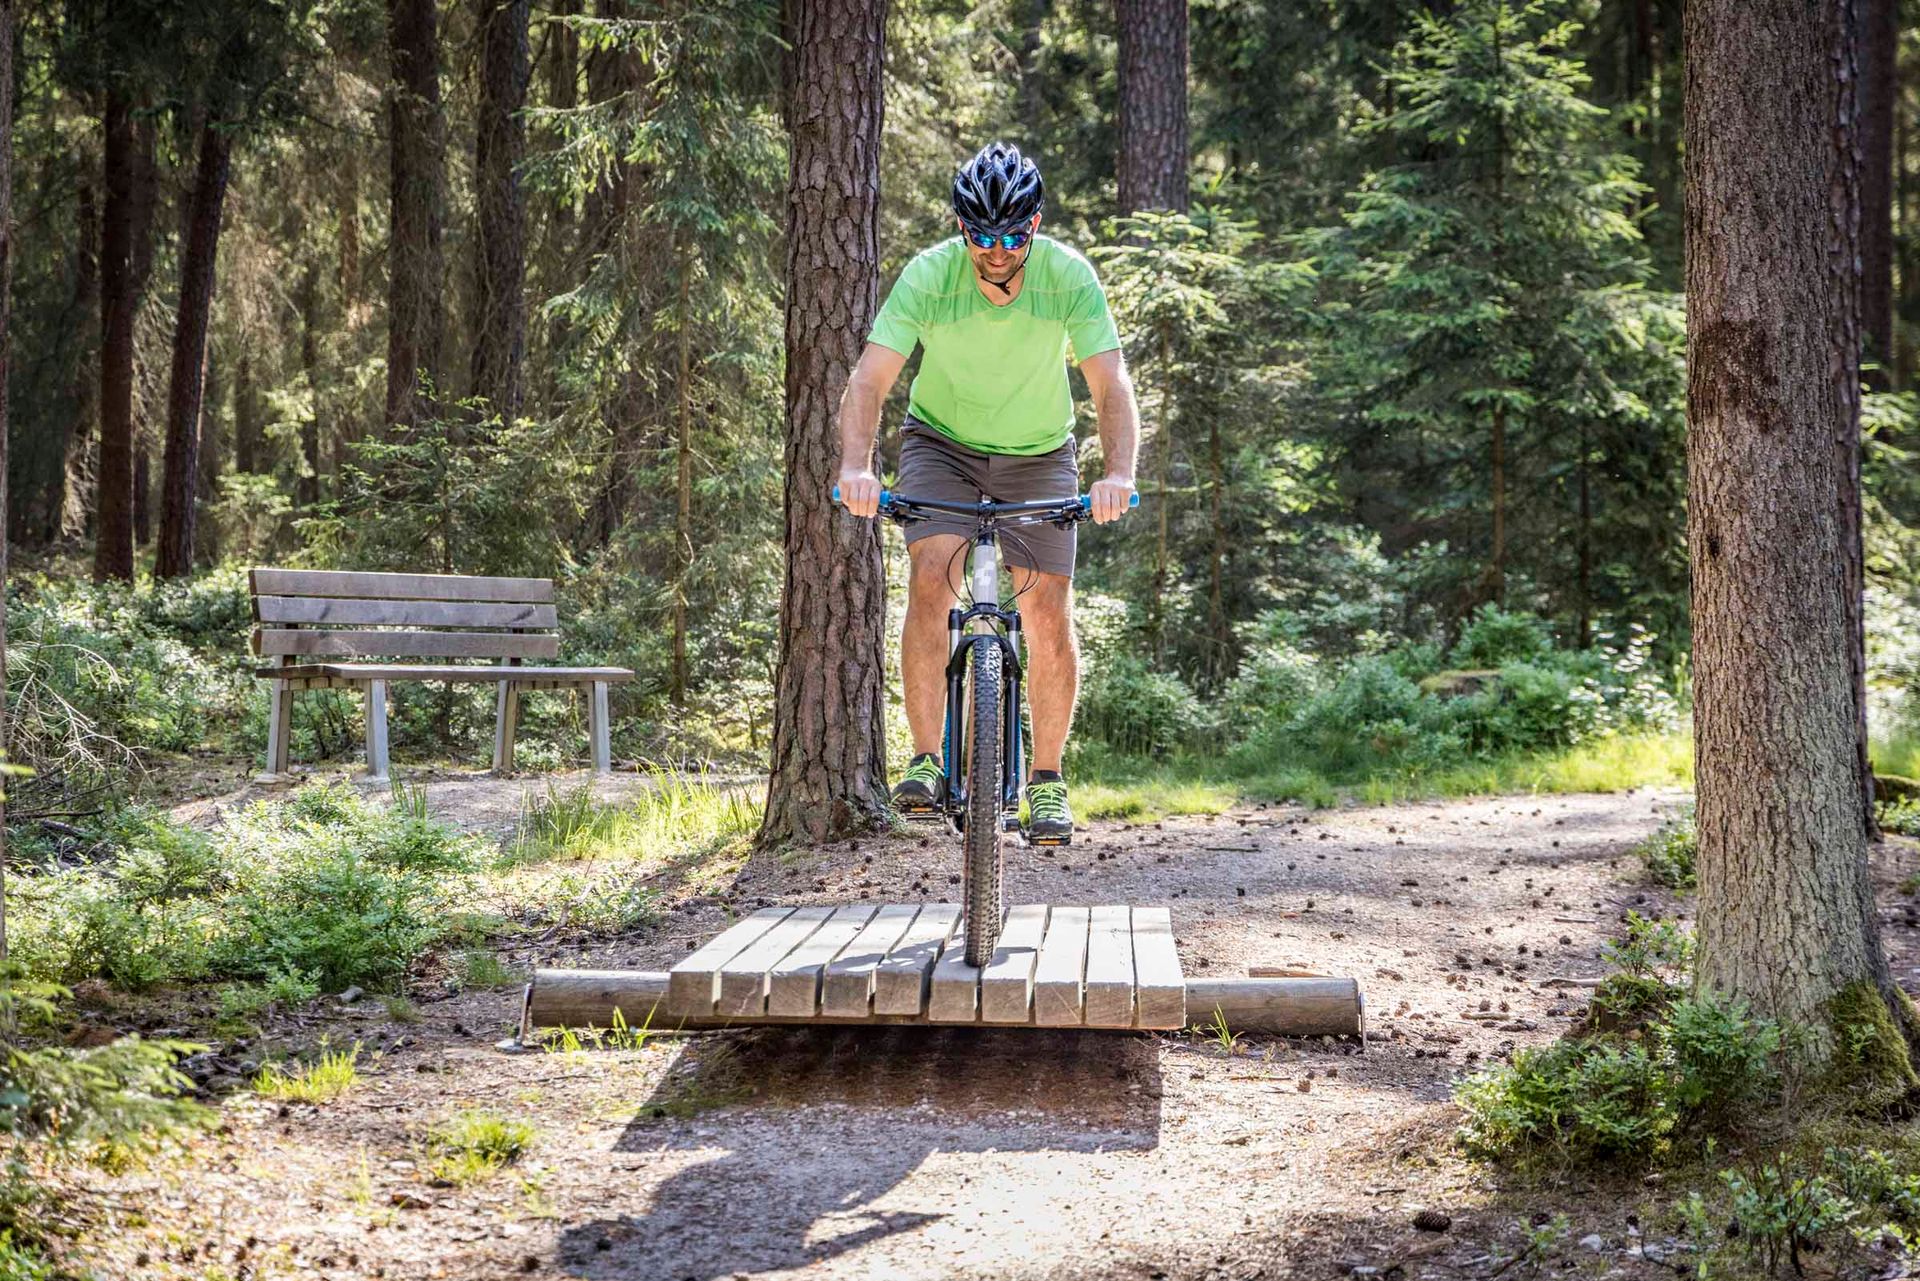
column 1153, row 104
column 1879, row 91
column 246, row 418
column 417, row 159
column 1786, row 910
column 75, row 512
column 1585, row 539
column 181, row 469
column 113, row 540
column 6, row 328
column 306, row 491
column 142, row 493
column 500, row 253
column 683, row 524
column 1497, row 560
column 206, row 538
column 828, row 773
column 1219, row 629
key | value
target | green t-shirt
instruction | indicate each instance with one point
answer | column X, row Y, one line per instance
column 995, row 378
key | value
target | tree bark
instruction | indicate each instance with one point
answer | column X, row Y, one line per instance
column 75, row 512
column 113, row 539
column 828, row 775
column 683, row 523
column 1153, row 104
column 306, row 490
column 181, row 468
column 206, row 537
column 1879, row 91
column 417, row 159
column 246, row 418
column 500, row 253
column 1786, row 910
column 6, row 329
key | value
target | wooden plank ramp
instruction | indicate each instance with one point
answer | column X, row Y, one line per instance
column 1105, row 966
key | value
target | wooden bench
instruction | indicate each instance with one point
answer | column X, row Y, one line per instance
column 308, row 617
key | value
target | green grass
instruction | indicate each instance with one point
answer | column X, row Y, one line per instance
column 674, row 813
column 472, row 1146
column 1108, row 786
column 480, row 968
column 1899, row 754
column 320, row 1082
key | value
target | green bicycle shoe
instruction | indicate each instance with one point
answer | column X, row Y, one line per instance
column 923, row 788
column 1049, row 821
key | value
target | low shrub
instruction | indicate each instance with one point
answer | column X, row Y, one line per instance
column 1139, row 711
column 320, row 890
column 1670, row 853
column 1494, row 638
column 1658, row 1066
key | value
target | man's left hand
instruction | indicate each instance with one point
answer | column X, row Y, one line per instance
column 1110, row 497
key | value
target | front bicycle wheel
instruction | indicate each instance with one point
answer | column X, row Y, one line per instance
column 985, row 906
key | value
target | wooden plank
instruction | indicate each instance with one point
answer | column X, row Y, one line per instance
column 694, row 984
column 1060, row 976
column 371, row 586
column 846, row 987
column 743, row 979
column 1006, row 986
column 1109, row 999
column 327, row 612
column 353, row 644
column 524, row 677
column 793, row 985
column 279, row 723
column 953, row 986
column 900, row 981
column 1159, row 991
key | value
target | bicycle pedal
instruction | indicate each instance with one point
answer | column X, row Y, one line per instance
column 921, row 813
column 1050, row 842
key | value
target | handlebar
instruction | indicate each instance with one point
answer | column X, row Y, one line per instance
column 1079, row 507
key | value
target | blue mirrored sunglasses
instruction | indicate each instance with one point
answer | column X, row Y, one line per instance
column 1007, row 240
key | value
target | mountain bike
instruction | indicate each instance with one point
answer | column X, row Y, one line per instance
column 984, row 675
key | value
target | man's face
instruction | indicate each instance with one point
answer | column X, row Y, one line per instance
column 998, row 262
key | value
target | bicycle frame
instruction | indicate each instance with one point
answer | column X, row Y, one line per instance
column 984, row 622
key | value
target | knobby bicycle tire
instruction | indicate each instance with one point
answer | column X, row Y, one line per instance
column 985, row 898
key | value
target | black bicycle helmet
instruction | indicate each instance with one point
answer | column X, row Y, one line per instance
column 998, row 190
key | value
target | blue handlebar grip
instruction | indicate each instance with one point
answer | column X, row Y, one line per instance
column 1086, row 503
column 1133, row 500
column 836, row 493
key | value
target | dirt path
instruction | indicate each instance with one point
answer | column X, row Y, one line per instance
column 946, row 1154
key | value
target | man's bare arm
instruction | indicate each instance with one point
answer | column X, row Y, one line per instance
column 1119, row 422
column 867, row 387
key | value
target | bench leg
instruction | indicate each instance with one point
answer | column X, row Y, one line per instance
column 597, row 728
column 377, row 730
column 279, row 726
column 506, row 719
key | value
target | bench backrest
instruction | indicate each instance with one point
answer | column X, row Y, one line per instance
column 325, row 613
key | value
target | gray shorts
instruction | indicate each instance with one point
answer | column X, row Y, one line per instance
column 933, row 466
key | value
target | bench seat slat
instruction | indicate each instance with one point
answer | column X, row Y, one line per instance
column 332, row 612
column 474, row 672
column 341, row 643
column 371, row 586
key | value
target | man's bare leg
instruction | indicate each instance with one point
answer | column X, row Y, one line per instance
column 933, row 588
column 1053, row 661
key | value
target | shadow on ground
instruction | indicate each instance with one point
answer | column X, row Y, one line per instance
column 787, row 1138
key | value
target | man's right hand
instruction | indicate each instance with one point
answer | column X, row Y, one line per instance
column 860, row 492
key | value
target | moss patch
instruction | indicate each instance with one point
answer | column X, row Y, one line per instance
column 1869, row 1048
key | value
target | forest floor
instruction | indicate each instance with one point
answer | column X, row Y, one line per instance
column 915, row 1153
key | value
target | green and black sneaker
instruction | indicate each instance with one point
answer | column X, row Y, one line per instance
column 1049, row 821
column 922, row 788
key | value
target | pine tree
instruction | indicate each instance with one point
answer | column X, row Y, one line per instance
column 1486, row 310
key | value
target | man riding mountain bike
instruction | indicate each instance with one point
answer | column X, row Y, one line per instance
column 998, row 311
